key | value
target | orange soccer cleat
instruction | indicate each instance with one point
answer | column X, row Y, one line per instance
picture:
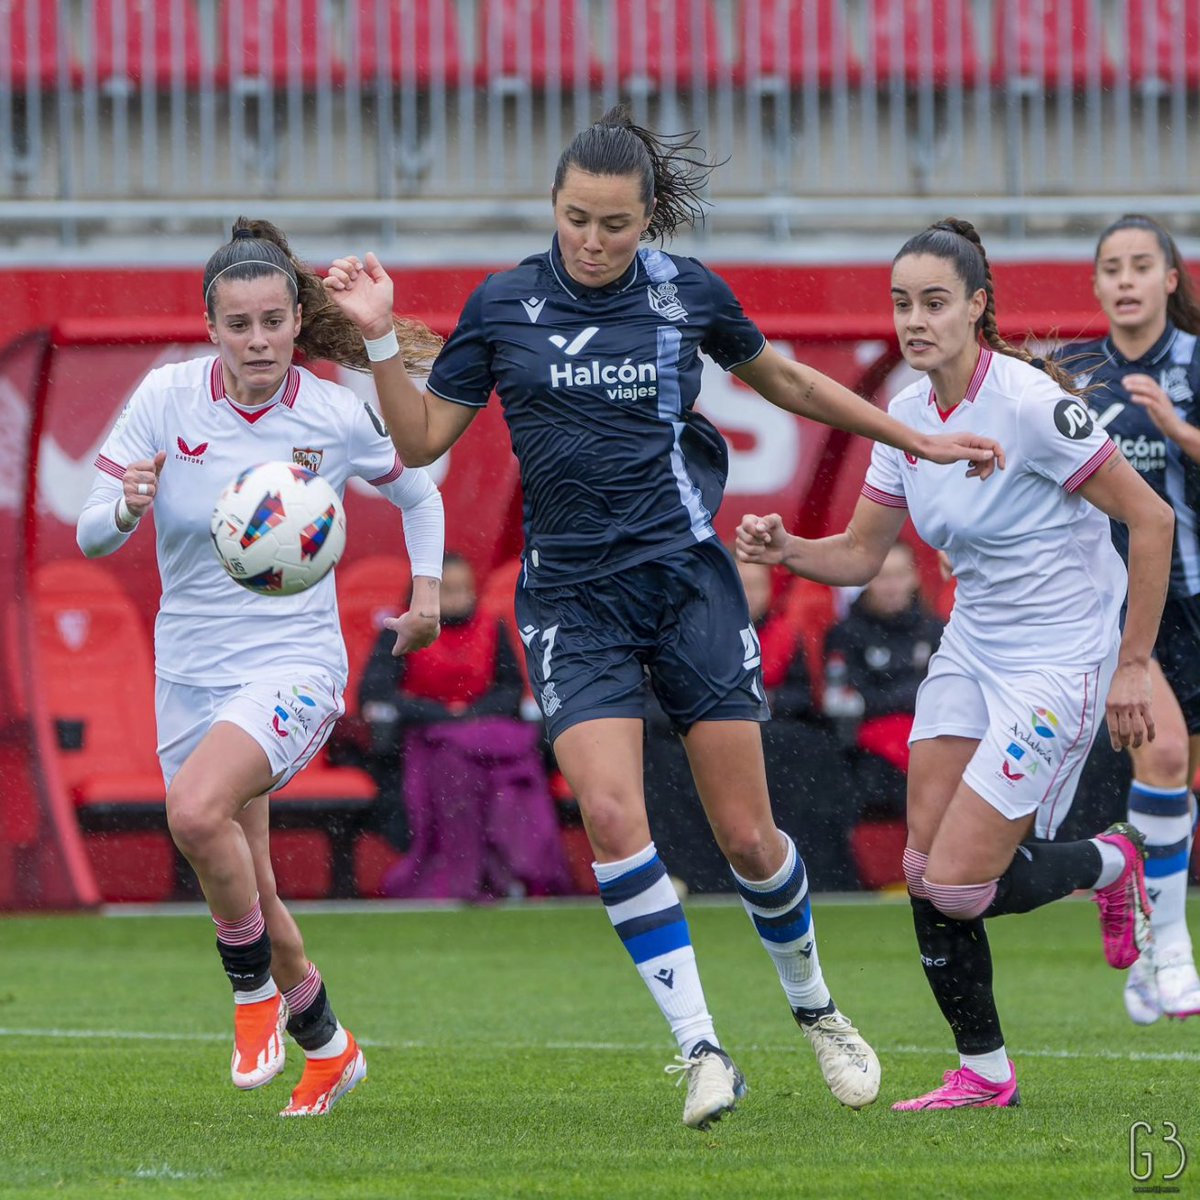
column 258, row 1046
column 326, row 1080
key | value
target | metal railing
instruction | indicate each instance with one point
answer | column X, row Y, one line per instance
column 439, row 114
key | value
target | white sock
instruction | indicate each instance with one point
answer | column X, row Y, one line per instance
column 644, row 908
column 992, row 1066
column 1112, row 863
column 332, row 1048
column 780, row 911
column 265, row 992
column 1164, row 815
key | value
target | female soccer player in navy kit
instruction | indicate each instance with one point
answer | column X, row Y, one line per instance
column 249, row 687
column 593, row 348
column 1143, row 387
column 1012, row 701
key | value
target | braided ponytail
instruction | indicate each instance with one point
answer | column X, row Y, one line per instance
column 671, row 170
column 257, row 248
column 958, row 242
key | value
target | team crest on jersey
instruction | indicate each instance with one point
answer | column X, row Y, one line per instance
column 664, row 299
column 309, row 459
column 1174, row 382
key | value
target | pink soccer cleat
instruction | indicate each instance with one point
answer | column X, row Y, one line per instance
column 1124, row 905
column 965, row 1089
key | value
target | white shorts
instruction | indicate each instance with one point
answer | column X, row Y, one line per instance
column 1035, row 729
column 291, row 718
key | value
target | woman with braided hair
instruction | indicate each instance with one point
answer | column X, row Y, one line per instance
column 594, row 349
column 249, row 687
column 1012, row 701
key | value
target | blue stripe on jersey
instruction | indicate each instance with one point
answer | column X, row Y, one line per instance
column 789, row 926
column 1160, row 802
column 1186, row 549
column 658, row 942
column 1166, row 860
column 632, row 884
column 670, row 408
column 636, row 926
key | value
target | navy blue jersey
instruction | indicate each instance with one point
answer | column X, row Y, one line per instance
column 1174, row 361
column 597, row 387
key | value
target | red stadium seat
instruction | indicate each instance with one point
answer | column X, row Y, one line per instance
column 134, row 41
column 1163, row 37
column 368, row 590
column 664, row 43
column 533, row 41
column 809, row 608
column 1049, row 44
column 270, row 43
column 420, row 37
column 29, row 50
column 793, row 42
column 925, row 40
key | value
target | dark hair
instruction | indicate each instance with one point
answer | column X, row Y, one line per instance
column 258, row 248
column 958, row 242
column 1183, row 310
column 671, row 170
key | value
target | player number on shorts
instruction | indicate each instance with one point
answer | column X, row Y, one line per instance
column 529, row 634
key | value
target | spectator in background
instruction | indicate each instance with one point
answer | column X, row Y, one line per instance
column 875, row 660
column 460, row 773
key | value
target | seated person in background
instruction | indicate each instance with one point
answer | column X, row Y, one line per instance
column 875, row 660
column 806, row 779
column 461, row 773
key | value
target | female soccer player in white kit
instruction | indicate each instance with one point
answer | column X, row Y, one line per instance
column 249, row 687
column 1012, row 702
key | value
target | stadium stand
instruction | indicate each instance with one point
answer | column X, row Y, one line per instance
column 407, row 43
column 925, row 42
column 144, row 42
column 1049, row 44
column 791, row 43
column 666, row 44
column 269, row 44
column 1163, row 40
column 534, row 43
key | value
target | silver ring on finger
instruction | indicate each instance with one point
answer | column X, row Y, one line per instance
column 143, row 489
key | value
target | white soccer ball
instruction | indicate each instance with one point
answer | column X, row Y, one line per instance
column 278, row 528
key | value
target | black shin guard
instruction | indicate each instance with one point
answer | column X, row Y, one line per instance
column 313, row 1027
column 1044, row 871
column 248, row 966
column 958, row 966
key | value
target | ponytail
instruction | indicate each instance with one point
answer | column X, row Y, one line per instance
column 258, row 248
column 672, row 171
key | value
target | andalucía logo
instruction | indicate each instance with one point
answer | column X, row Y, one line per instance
column 1044, row 723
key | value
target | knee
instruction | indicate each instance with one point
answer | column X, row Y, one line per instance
column 616, row 824
column 193, row 822
column 914, row 864
column 754, row 852
column 961, row 901
column 1163, row 762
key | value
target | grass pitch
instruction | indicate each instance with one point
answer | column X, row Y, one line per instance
column 513, row 1052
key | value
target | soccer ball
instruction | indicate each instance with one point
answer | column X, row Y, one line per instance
column 278, row 528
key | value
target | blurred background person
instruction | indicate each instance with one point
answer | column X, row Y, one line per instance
column 461, row 775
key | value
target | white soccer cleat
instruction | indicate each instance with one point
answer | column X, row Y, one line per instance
column 714, row 1085
column 848, row 1064
column 1178, row 987
column 1141, row 992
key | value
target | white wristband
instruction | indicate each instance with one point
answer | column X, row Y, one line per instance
column 383, row 348
column 126, row 516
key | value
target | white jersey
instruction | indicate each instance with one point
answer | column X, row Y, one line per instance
column 1039, row 582
column 209, row 629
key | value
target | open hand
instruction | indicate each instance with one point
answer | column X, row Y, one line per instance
column 983, row 453
column 363, row 290
column 413, row 631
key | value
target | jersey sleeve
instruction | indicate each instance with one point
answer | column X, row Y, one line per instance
column 884, row 483
column 1059, row 438
column 134, row 435
column 732, row 338
column 463, row 370
column 370, row 451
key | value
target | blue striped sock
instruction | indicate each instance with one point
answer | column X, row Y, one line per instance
column 640, row 900
column 781, row 913
column 1164, row 815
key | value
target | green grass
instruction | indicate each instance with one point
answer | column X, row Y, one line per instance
column 514, row 1053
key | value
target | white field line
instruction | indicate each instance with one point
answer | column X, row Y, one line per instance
column 142, row 1035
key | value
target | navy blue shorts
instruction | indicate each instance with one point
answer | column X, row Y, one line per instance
column 679, row 622
column 1178, row 653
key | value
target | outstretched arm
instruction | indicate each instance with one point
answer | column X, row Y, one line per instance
column 807, row 393
column 847, row 559
column 422, row 426
column 1121, row 493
